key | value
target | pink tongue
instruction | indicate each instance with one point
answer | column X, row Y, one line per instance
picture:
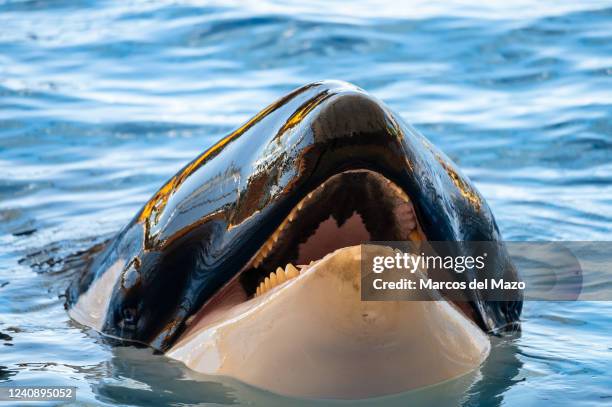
column 329, row 237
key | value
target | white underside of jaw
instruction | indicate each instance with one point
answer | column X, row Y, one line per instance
column 312, row 336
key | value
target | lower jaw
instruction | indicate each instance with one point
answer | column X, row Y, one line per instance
column 314, row 337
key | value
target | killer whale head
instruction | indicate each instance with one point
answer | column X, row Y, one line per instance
column 245, row 207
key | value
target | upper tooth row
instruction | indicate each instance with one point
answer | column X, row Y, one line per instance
column 277, row 278
column 267, row 246
column 397, row 190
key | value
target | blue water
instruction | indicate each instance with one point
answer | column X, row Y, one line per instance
column 101, row 102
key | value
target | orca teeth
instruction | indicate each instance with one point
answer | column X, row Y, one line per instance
column 277, row 278
column 272, row 241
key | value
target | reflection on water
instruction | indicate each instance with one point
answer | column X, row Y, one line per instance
column 499, row 373
column 101, row 102
column 139, row 378
column 136, row 377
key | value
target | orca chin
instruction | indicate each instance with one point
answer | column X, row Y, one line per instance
column 310, row 335
column 246, row 263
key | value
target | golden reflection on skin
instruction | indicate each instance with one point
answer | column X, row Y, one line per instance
column 463, row 188
column 154, row 208
column 156, row 205
column 302, row 112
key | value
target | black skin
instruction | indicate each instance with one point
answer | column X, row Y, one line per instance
column 207, row 222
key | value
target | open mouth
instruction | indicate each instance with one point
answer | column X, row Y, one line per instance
column 294, row 316
column 348, row 209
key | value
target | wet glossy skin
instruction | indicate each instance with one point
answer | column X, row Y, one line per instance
column 206, row 223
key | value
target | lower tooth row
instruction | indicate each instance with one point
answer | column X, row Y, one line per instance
column 277, row 278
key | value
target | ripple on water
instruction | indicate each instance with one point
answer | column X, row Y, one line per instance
column 101, row 102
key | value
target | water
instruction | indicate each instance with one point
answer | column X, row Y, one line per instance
column 100, row 102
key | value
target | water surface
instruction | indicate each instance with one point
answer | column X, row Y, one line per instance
column 101, row 102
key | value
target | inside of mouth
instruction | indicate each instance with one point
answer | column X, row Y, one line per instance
column 348, row 209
